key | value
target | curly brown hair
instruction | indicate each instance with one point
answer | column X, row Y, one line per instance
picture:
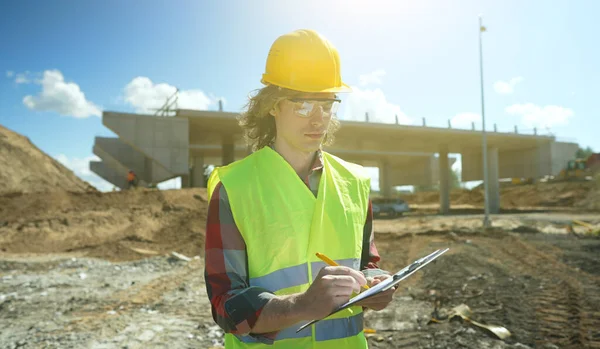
column 259, row 125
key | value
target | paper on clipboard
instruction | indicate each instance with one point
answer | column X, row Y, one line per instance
column 386, row 284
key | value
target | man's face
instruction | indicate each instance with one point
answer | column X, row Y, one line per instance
column 302, row 121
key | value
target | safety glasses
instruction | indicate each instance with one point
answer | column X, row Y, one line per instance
column 304, row 107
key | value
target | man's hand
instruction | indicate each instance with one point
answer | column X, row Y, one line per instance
column 332, row 287
column 381, row 300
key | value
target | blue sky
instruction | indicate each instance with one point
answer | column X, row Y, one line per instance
column 63, row 62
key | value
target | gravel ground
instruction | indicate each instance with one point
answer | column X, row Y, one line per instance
column 69, row 302
column 529, row 281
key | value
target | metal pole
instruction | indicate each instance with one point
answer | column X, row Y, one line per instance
column 486, row 219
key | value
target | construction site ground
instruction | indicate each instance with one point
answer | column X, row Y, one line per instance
column 96, row 270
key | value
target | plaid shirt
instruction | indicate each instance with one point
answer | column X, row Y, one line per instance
column 226, row 272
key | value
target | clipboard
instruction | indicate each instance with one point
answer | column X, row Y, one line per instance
column 385, row 285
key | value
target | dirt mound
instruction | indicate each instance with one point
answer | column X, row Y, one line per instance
column 592, row 200
column 559, row 194
column 25, row 168
column 121, row 225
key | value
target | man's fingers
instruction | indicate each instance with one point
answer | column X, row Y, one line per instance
column 343, row 281
column 341, row 270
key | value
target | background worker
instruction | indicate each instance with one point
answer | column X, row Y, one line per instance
column 270, row 212
column 131, row 179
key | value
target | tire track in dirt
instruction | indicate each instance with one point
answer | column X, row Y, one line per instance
column 145, row 295
column 154, row 290
column 397, row 251
column 565, row 308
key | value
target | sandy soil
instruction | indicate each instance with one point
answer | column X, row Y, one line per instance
column 24, row 168
column 543, row 287
column 116, row 226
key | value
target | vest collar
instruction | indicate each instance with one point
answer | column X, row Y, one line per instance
column 317, row 163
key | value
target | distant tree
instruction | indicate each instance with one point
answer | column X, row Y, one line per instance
column 454, row 183
column 422, row 188
column 455, row 179
column 583, row 153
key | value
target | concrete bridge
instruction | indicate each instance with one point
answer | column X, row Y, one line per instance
column 159, row 148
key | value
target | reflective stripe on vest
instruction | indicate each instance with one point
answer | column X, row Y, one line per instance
column 296, row 275
column 325, row 330
column 283, row 225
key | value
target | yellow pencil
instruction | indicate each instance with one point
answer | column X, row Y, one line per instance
column 331, row 262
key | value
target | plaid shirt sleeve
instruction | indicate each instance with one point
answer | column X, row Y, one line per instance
column 236, row 305
column 370, row 256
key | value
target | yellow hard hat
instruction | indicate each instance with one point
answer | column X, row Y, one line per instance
column 304, row 60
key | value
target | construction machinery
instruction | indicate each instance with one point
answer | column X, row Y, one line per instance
column 519, row 181
column 581, row 169
column 593, row 162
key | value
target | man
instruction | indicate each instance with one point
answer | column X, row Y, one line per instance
column 131, row 179
column 271, row 212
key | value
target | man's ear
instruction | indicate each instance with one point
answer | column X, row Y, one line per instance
column 275, row 110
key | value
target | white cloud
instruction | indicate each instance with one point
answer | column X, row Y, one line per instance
column 22, row 78
column 64, row 98
column 535, row 116
column 146, row 96
column 374, row 102
column 371, row 78
column 507, row 87
column 81, row 168
column 465, row 120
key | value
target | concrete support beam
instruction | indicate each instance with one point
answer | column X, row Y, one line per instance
column 444, row 170
column 108, row 174
column 493, row 185
column 146, row 169
column 165, row 140
column 186, row 181
column 385, row 186
column 228, row 145
column 197, row 173
column 117, row 169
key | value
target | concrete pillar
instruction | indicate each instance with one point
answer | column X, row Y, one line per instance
column 385, row 187
column 228, row 147
column 186, row 181
column 197, row 173
column 148, row 169
column 493, row 185
column 444, row 169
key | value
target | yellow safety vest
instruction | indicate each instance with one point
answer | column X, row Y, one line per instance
column 283, row 225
